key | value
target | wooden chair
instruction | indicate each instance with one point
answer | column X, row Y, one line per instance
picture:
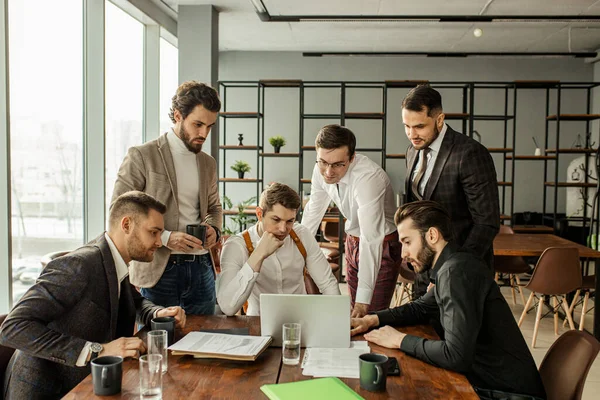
column 556, row 274
column 406, row 279
column 512, row 266
column 588, row 284
column 567, row 363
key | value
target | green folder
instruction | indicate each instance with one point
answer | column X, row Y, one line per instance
column 313, row 389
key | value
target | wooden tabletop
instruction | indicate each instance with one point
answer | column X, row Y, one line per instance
column 189, row 378
column 417, row 380
column 534, row 245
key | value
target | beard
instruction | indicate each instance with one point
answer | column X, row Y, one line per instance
column 137, row 251
column 188, row 141
column 424, row 258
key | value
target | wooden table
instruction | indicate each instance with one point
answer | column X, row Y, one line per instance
column 526, row 245
column 189, row 378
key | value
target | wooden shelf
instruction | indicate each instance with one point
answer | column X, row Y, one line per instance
column 570, row 184
column 532, row 229
column 281, row 82
column 504, row 217
column 405, row 84
column 395, row 156
column 492, row 117
column 454, row 116
column 573, row 117
column 239, row 180
column 247, row 211
column 509, row 157
column 322, row 116
column 305, row 180
column 504, row 183
column 242, row 114
column 234, row 147
column 280, row 154
column 500, row 150
column 363, row 115
column 535, row 84
column 574, row 150
column 309, row 147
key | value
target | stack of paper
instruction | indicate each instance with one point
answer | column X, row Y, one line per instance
column 342, row 363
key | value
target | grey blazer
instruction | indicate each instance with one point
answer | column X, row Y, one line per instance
column 464, row 182
column 74, row 300
column 149, row 168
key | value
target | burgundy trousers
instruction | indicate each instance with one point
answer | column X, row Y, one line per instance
column 388, row 272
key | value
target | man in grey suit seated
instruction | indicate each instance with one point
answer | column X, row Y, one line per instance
column 83, row 306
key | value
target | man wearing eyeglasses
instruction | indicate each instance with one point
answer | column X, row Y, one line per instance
column 362, row 191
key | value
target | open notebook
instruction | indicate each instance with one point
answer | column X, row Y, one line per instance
column 219, row 345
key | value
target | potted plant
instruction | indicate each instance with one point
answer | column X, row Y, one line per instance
column 242, row 219
column 241, row 167
column 277, row 142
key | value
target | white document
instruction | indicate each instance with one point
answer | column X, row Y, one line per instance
column 342, row 363
column 220, row 343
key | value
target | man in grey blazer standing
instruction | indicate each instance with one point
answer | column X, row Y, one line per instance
column 83, row 306
column 455, row 171
column 174, row 169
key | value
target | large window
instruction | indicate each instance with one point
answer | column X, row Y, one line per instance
column 168, row 82
column 46, row 89
column 124, row 89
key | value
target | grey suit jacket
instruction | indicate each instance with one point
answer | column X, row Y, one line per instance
column 149, row 168
column 75, row 300
column 464, row 182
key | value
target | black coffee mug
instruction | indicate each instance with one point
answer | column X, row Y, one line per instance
column 373, row 371
column 164, row 323
column 197, row 231
column 107, row 373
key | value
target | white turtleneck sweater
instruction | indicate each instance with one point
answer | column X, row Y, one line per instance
column 188, row 187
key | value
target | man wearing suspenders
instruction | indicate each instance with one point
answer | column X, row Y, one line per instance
column 272, row 256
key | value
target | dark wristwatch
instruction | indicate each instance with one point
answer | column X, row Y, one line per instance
column 96, row 349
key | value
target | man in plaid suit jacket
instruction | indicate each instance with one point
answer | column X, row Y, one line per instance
column 459, row 174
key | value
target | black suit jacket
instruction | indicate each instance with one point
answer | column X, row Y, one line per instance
column 464, row 182
column 75, row 300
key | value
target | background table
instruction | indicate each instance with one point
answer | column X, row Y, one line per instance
column 189, row 378
column 534, row 245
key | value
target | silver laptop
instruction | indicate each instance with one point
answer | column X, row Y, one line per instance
column 325, row 320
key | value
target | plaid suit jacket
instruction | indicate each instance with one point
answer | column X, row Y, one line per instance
column 464, row 182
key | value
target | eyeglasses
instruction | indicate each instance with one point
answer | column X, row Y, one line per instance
column 335, row 166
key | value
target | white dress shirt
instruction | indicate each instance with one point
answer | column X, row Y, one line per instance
column 281, row 272
column 122, row 272
column 434, row 150
column 188, row 188
column 366, row 200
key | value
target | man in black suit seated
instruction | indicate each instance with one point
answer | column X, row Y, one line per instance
column 479, row 336
column 83, row 306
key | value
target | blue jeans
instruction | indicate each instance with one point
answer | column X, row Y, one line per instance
column 189, row 284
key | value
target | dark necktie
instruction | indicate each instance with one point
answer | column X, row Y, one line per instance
column 420, row 173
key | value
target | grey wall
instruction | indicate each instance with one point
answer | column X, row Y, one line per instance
column 282, row 109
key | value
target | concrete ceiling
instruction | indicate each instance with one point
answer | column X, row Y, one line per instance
column 240, row 28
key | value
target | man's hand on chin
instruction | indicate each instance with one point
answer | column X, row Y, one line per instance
column 360, row 310
column 386, row 337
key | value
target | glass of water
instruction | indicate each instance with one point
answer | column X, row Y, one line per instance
column 291, row 343
column 151, row 377
column 157, row 344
